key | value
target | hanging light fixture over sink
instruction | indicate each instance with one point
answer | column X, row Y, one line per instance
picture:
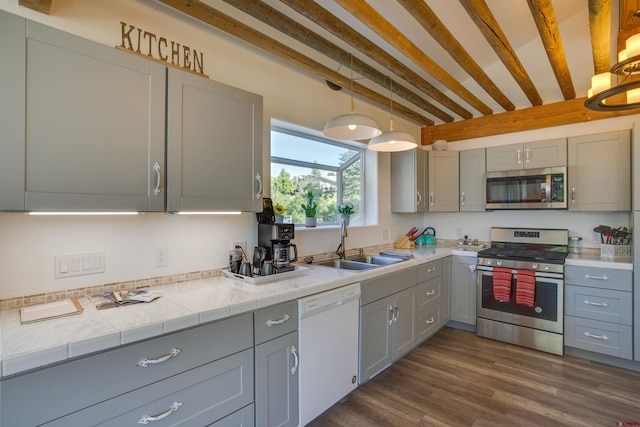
column 352, row 126
column 392, row 140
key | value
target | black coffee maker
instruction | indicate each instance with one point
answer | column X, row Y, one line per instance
column 276, row 238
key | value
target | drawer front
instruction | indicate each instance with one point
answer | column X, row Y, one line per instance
column 273, row 322
column 598, row 304
column 199, row 396
column 389, row 284
column 94, row 379
column 429, row 321
column 600, row 337
column 242, row 418
column 428, row 292
column 605, row 278
column 429, row 270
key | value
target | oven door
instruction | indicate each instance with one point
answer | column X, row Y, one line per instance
column 546, row 313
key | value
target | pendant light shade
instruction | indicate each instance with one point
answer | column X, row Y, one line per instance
column 352, row 126
column 392, row 140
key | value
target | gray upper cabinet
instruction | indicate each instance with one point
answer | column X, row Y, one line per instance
column 599, row 172
column 214, row 146
column 443, row 181
column 530, row 155
column 93, row 127
column 472, row 168
column 409, row 181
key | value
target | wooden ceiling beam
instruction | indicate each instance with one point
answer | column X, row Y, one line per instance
column 434, row 26
column 481, row 15
column 288, row 26
column 545, row 19
column 383, row 28
column 213, row 17
column 600, row 30
column 539, row 117
column 331, row 23
column 42, row 6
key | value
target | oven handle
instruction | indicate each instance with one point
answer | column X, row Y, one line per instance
column 559, row 276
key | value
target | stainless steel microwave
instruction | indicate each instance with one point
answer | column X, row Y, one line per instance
column 526, row 189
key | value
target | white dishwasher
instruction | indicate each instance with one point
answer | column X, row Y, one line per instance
column 328, row 347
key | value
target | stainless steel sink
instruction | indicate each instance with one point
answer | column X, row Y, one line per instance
column 347, row 264
column 360, row 263
column 377, row 259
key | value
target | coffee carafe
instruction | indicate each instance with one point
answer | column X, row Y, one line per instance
column 282, row 253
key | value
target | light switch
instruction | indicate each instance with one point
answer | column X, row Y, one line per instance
column 78, row 264
column 64, row 265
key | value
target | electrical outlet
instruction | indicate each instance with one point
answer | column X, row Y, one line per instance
column 162, row 257
column 242, row 244
column 385, row 235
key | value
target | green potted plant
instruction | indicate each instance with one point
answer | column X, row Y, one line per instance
column 310, row 210
column 345, row 210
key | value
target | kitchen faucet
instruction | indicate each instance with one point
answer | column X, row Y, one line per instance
column 341, row 251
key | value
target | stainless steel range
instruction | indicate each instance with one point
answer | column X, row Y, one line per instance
column 521, row 287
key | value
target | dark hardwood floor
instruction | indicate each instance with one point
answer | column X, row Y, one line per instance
column 457, row 379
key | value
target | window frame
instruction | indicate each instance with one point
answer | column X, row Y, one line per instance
column 339, row 170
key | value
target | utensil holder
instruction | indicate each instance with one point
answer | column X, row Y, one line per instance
column 615, row 251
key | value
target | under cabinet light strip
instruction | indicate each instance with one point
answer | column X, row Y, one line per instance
column 207, row 213
column 52, row 213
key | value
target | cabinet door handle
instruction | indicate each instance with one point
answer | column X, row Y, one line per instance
column 146, row 361
column 431, row 198
column 156, row 169
column 573, row 194
column 259, row 179
column 588, row 276
column 147, row 418
column 396, row 314
column 431, row 292
column 462, row 198
column 419, row 197
column 430, row 321
column 597, row 304
column 598, row 337
column 296, row 361
column 519, row 156
column 392, row 315
column 277, row 322
column 527, row 155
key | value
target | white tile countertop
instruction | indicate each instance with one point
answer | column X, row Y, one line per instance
column 29, row 346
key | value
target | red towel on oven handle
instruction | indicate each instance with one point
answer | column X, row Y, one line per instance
column 501, row 284
column 526, row 287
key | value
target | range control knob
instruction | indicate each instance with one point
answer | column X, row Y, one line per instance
column 499, row 262
column 547, row 266
column 489, row 262
column 534, row 266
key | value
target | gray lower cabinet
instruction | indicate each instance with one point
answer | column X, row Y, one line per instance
column 387, row 332
column 196, row 377
column 463, row 289
column 599, row 172
column 276, row 355
column 214, row 145
column 472, row 168
column 433, row 298
column 387, row 320
column 87, row 123
column 599, row 311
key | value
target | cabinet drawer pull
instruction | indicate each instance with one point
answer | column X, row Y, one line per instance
column 259, row 193
column 431, row 270
column 147, row 418
column 597, row 304
column 156, row 190
column 392, row 315
column 295, row 360
column 279, row 321
column 431, row 292
column 396, row 315
column 598, row 337
column 430, row 321
column 588, row 276
column 146, row 361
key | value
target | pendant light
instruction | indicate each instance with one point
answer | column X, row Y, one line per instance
column 392, row 140
column 352, row 126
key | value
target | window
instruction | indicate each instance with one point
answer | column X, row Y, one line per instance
column 333, row 171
